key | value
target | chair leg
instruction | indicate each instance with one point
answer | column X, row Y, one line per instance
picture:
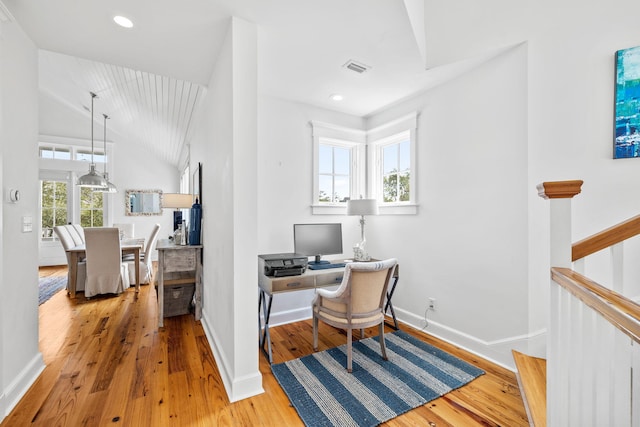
column 383, row 348
column 349, row 345
column 315, row 332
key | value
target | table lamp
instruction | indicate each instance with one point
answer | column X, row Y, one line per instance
column 362, row 207
column 177, row 201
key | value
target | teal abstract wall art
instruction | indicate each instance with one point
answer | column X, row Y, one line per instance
column 627, row 104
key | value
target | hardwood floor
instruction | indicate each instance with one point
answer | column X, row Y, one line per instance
column 108, row 364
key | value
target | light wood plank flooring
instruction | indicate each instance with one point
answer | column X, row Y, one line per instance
column 108, row 364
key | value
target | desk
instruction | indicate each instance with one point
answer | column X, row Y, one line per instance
column 76, row 252
column 179, row 264
column 310, row 279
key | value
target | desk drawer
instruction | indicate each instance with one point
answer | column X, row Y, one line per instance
column 180, row 260
column 328, row 279
column 291, row 283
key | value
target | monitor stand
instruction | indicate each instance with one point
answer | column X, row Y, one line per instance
column 318, row 261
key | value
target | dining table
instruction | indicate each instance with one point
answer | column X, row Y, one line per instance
column 127, row 246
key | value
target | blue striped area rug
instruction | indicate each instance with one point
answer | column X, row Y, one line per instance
column 49, row 286
column 325, row 394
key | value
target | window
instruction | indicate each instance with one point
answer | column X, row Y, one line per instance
column 392, row 158
column 91, row 208
column 334, row 179
column 378, row 163
column 58, row 153
column 85, row 156
column 54, row 207
column 339, row 154
column 396, row 169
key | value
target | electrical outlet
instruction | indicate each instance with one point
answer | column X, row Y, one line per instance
column 432, row 304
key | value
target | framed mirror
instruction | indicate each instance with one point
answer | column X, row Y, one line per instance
column 143, row 202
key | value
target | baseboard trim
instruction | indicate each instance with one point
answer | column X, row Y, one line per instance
column 236, row 388
column 21, row 384
column 498, row 351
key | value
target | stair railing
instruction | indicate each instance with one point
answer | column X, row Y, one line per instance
column 593, row 345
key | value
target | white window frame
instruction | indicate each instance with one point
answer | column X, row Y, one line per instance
column 377, row 139
column 338, row 136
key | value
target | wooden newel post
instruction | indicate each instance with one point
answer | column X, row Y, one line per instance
column 560, row 193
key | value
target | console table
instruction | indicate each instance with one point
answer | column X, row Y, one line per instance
column 310, row 279
column 179, row 264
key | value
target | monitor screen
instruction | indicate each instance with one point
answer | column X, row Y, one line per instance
column 317, row 240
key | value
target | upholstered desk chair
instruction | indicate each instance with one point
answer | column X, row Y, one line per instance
column 106, row 273
column 63, row 234
column 357, row 303
column 146, row 267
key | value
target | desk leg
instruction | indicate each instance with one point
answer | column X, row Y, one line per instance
column 265, row 336
column 389, row 306
column 73, row 274
column 137, row 258
column 160, row 291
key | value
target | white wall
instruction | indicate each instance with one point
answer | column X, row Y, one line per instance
column 285, row 188
column 20, row 360
column 225, row 143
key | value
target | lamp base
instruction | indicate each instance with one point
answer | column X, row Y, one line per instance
column 360, row 252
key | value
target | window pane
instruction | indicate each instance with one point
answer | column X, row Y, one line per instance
column 85, row 218
column 98, row 157
column 390, row 188
column 405, row 156
column 60, row 194
column 97, row 218
column 403, row 188
column 84, row 156
column 47, row 218
column 47, row 193
column 341, row 185
column 47, row 153
column 342, row 160
column 60, row 216
column 324, row 187
column 62, row 153
column 390, row 159
column 325, row 164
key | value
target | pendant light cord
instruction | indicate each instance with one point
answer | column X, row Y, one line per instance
column 105, row 143
column 93, row 95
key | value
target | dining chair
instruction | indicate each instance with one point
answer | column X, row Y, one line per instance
column 79, row 229
column 106, row 273
column 357, row 303
column 78, row 237
column 146, row 267
column 63, row 234
column 126, row 230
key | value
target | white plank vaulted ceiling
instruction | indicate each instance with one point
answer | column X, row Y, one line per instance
column 144, row 108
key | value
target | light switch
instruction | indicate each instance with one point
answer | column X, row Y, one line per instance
column 27, row 224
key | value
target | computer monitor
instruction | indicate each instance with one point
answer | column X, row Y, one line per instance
column 316, row 240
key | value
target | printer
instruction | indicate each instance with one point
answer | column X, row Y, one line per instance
column 280, row 265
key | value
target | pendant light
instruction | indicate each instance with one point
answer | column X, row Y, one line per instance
column 109, row 188
column 92, row 179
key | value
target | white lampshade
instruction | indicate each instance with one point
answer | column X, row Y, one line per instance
column 177, row 200
column 362, row 207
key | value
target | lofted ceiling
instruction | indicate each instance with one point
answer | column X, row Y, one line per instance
column 150, row 78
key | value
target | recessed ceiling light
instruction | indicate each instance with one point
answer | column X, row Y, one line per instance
column 336, row 97
column 123, row 21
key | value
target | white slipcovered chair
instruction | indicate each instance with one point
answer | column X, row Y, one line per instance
column 146, row 267
column 106, row 273
column 65, row 237
column 126, row 230
column 357, row 303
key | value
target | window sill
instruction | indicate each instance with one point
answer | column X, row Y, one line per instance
column 399, row 209
column 389, row 209
column 329, row 209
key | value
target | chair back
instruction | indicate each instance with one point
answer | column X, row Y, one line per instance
column 104, row 261
column 367, row 285
column 78, row 239
column 126, row 230
column 79, row 229
column 151, row 243
column 63, row 234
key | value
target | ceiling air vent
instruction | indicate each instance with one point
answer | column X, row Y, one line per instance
column 356, row 66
